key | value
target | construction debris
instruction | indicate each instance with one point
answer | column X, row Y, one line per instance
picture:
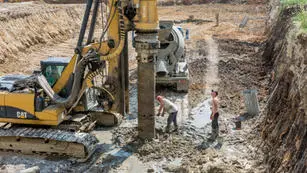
column 34, row 169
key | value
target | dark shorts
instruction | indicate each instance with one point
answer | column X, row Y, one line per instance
column 215, row 123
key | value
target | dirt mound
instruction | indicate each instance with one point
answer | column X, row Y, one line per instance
column 238, row 47
column 285, row 126
column 190, row 2
column 246, row 71
column 26, row 27
column 198, row 68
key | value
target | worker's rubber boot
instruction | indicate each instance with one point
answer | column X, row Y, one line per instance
column 214, row 134
column 167, row 128
column 176, row 128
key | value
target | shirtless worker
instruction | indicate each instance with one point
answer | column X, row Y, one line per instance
column 214, row 115
column 172, row 110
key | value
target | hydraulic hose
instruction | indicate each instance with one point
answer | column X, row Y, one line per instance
column 122, row 33
column 78, row 88
column 89, row 84
column 91, row 75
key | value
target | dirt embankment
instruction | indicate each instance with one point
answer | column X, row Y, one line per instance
column 241, row 68
column 190, row 2
column 285, row 125
column 26, row 28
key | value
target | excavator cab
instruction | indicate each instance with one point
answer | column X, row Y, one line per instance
column 52, row 69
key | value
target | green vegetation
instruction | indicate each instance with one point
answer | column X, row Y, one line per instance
column 293, row 2
column 301, row 18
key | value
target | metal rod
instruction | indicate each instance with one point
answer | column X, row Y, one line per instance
column 84, row 22
column 122, row 79
column 147, row 45
column 126, row 69
column 93, row 22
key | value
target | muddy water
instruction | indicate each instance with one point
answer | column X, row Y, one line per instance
column 124, row 160
column 189, row 150
column 193, row 125
column 201, row 114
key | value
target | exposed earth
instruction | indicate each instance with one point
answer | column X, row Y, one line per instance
column 224, row 57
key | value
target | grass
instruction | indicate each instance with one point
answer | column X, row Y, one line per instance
column 301, row 18
column 293, row 2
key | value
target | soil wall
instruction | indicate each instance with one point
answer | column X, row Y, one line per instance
column 190, row 2
column 24, row 29
column 285, row 124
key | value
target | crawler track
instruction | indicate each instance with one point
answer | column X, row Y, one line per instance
column 47, row 141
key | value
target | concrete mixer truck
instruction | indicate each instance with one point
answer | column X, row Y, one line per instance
column 171, row 63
